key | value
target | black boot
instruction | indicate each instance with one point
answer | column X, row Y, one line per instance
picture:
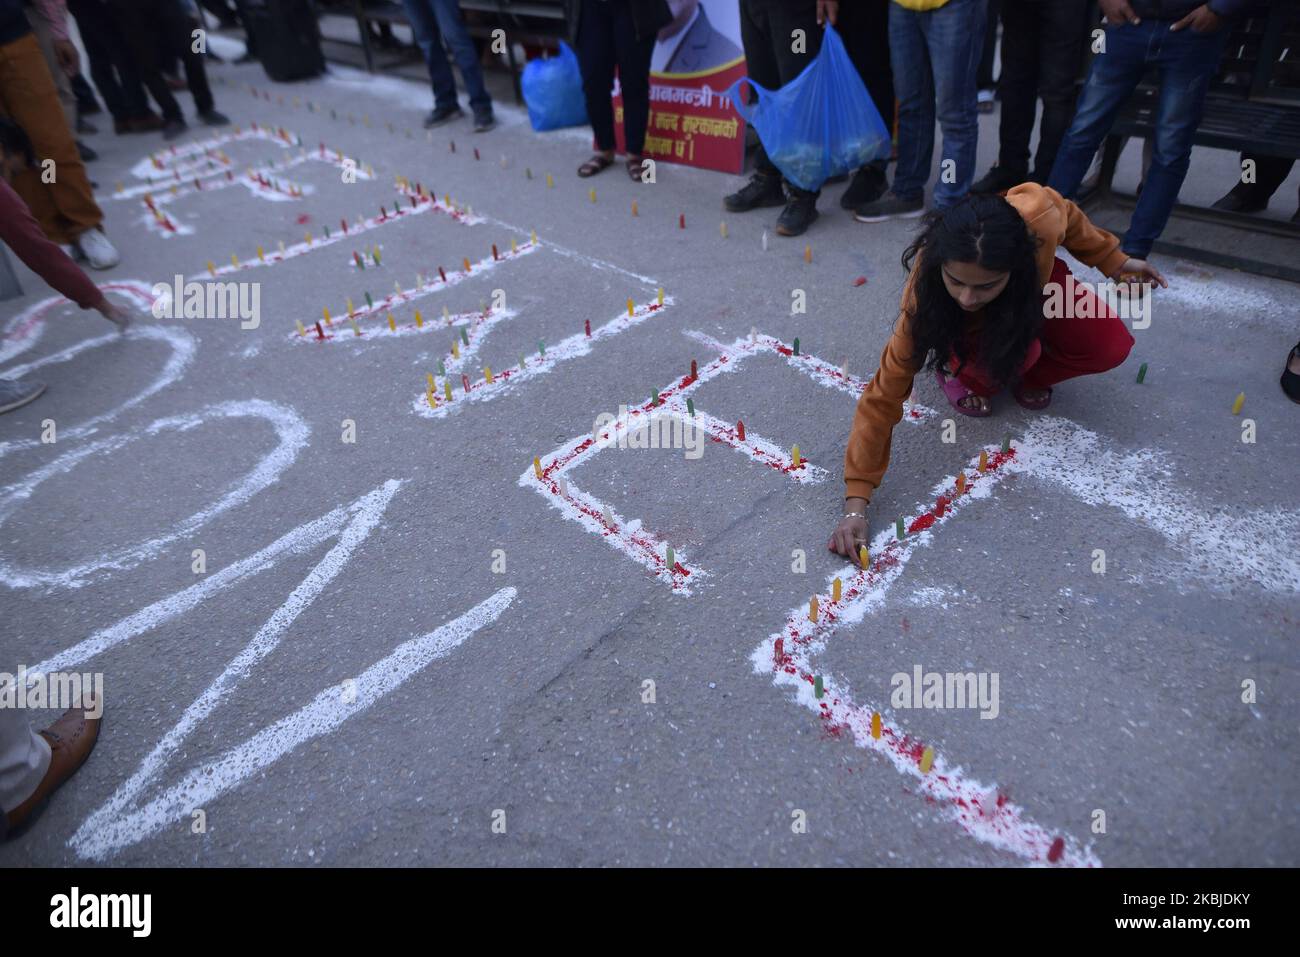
column 998, row 180
column 870, row 182
column 798, row 214
column 762, row 189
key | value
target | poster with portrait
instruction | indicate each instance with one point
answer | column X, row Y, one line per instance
column 698, row 55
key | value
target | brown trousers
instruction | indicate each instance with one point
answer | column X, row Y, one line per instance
column 66, row 207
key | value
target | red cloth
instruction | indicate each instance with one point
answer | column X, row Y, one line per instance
column 22, row 234
column 1065, row 347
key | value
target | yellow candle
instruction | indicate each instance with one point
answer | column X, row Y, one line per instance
column 795, row 456
column 835, row 589
column 446, row 389
column 927, row 760
column 392, row 326
column 487, row 374
column 875, row 725
column 326, row 312
column 1236, row 405
column 212, row 270
column 961, row 482
column 864, row 559
column 812, row 609
column 301, row 330
column 984, row 460
column 661, row 295
column 629, row 308
column 259, row 254
column 419, row 320
column 537, row 466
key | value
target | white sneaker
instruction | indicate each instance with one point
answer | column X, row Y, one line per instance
column 99, row 252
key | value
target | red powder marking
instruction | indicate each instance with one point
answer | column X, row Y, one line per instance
column 860, row 281
column 1058, row 846
column 914, row 414
column 784, row 350
column 922, row 522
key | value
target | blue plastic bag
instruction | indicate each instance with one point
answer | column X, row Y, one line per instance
column 553, row 91
column 820, row 124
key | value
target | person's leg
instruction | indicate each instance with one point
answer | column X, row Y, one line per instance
column 429, row 39
column 24, row 759
column 984, row 74
column 783, row 18
column 914, row 87
column 143, row 43
column 66, row 207
column 1074, row 346
column 1111, row 80
column 953, row 34
column 760, row 64
column 178, row 26
column 101, row 60
column 62, row 83
column 452, row 25
column 1021, row 36
column 596, row 57
column 1187, row 61
column 864, row 26
column 978, row 379
column 633, row 58
column 1062, row 41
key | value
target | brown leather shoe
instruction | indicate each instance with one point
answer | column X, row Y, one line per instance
column 71, row 739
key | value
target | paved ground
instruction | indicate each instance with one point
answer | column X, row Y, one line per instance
column 359, row 676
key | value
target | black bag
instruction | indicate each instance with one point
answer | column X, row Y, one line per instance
column 285, row 36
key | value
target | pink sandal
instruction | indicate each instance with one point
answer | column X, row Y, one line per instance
column 1036, row 405
column 956, row 390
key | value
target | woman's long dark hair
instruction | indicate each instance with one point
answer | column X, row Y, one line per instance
column 987, row 230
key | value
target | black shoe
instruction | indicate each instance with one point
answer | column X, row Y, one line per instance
column 484, row 121
column 798, row 214
column 889, row 206
column 1242, row 198
column 1290, row 380
column 761, row 190
column 87, row 154
column 443, row 114
column 868, row 183
column 212, row 117
column 173, row 128
column 998, row 180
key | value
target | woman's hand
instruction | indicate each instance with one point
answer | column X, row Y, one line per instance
column 114, row 314
column 1141, row 270
column 851, row 532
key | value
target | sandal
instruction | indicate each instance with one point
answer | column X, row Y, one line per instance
column 1291, row 380
column 1033, row 405
column 636, row 167
column 956, row 391
column 594, row 165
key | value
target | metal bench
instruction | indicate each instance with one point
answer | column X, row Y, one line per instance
column 1253, row 105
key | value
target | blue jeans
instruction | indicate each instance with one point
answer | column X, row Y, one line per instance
column 1185, row 62
column 431, row 20
column 935, row 55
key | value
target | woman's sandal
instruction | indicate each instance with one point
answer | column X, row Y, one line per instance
column 635, row 167
column 594, row 165
column 956, row 391
column 1033, row 405
column 1291, row 380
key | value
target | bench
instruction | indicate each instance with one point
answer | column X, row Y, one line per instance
column 1253, row 105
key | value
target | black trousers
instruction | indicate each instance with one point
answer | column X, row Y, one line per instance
column 157, row 27
column 766, row 27
column 1043, row 46
column 112, row 64
column 607, row 40
column 984, row 75
column 864, row 27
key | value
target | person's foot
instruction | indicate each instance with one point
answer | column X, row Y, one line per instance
column 173, row 128
column 1242, row 198
column 599, row 161
column 214, row 117
column 441, row 115
column 761, row 190
column 71, row 739
column 798, row 215
column 16, row 393
column 889, row 206
column 484, row 120
column 984, row 101
column 86, row 153
column 868, row 184
column 998, row 180
column 99, row 252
